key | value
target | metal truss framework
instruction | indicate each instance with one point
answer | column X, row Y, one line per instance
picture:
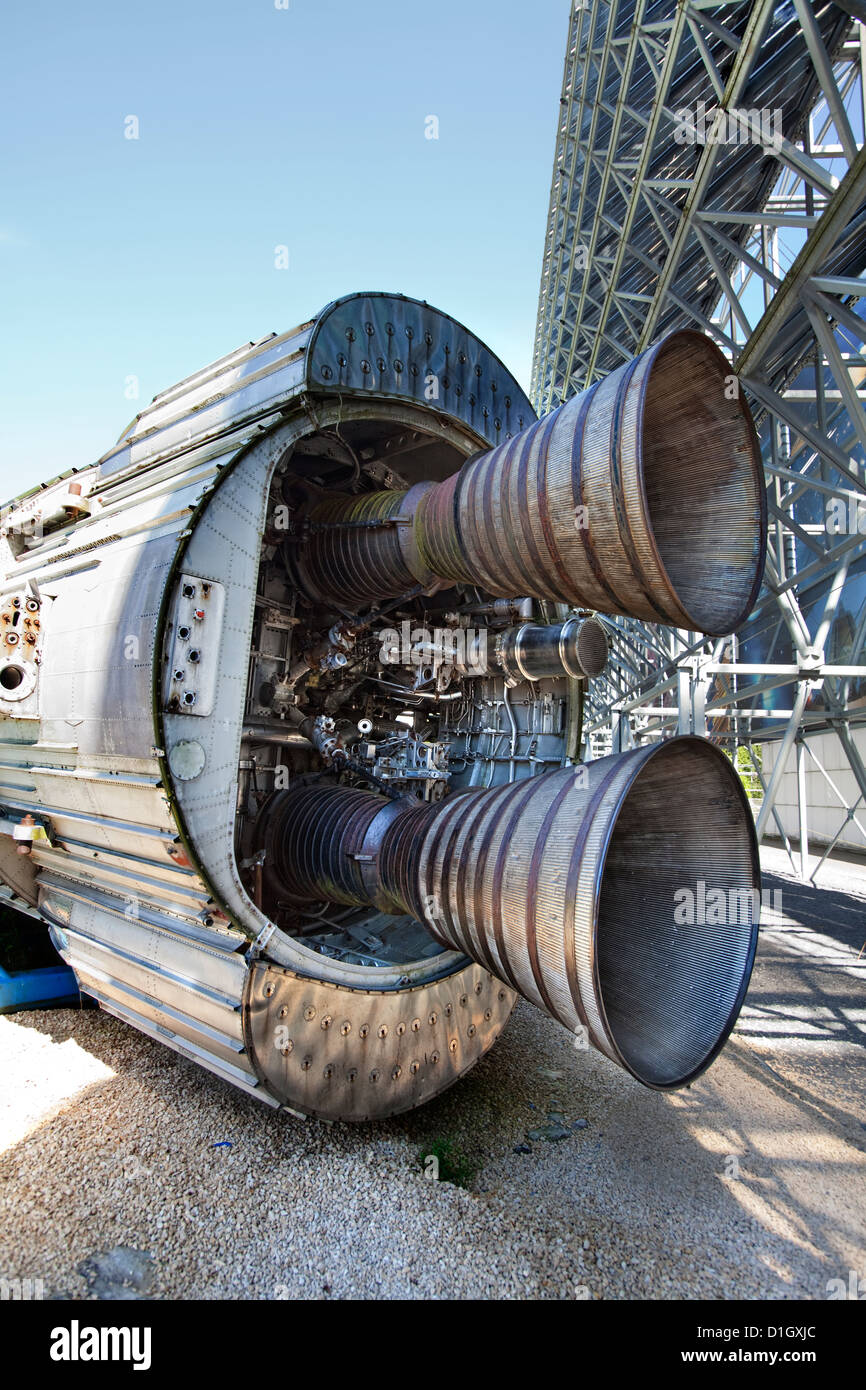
column 710, row 171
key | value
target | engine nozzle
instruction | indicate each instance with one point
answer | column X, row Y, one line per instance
column 621, row 896
column 642, row 496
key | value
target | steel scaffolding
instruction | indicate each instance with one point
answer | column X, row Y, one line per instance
column 710, row 171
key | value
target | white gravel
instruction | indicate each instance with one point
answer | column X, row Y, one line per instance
column 109, row 1140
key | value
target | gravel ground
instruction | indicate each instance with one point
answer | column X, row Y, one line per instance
column 749, row 1184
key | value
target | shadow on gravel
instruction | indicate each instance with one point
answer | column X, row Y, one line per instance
column 742, row 1185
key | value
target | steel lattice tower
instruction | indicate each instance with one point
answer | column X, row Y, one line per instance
column 710, row 172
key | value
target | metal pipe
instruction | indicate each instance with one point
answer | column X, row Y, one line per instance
column 577, row 648
column 288, row 738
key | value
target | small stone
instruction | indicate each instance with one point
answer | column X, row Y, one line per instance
column 121, row 1273
column 553, row 1131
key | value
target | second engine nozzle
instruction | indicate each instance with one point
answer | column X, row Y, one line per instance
column 643, row 496
column 621, row 896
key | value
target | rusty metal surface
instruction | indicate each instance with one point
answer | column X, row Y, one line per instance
column 349, row 1054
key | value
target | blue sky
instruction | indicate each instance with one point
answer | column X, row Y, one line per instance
column 258, row 127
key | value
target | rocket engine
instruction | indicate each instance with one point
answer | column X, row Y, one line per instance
column 291, row 691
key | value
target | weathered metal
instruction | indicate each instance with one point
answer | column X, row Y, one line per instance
column 642, row 496
column 178, row 678
column 564, row 886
